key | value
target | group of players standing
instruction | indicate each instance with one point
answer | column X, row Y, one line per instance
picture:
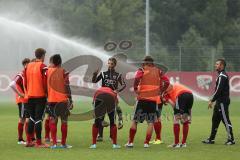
column 38, row 85
column 152, row 89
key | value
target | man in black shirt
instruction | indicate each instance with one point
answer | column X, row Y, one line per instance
column 110, row 78
column 222, row 101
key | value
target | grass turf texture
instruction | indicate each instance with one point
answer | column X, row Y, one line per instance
column 79, row 136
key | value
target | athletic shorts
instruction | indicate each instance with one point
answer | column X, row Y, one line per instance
column 21, row 110
column 145, row 110
column 159, row 110
column 26, row 113
column 36, row 108
column 104, row 104
column 47, row 110
column 59, row 110
column 184, row 103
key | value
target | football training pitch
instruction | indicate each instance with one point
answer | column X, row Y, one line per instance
column 79, row 136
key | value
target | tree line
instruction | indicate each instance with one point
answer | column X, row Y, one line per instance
column 195, row 31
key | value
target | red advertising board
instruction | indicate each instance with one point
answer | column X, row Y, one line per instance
column 203, row 83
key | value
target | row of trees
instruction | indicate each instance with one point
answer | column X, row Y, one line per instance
column 196, row 30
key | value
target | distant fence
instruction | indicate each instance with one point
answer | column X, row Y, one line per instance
column 201, row 59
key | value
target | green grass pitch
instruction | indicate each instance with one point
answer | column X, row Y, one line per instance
column 79, row 136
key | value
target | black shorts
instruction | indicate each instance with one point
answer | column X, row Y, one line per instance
column 36, row 108
column 21, row 110
column 184, row 103
column 59, row 109
column 26, row 113
column 104, row 104
column 159, row 110
column 145, row 110
column 47, row 110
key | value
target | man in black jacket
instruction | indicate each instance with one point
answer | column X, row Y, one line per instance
column 222, row 101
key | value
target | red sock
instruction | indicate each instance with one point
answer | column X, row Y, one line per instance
column 148, row 138
column 53, row 128
column 20, row 131
column 114, row 134
column 132, row 133
column 39, row 141
column 33, row 136
column 94, row 134
column 64, row 128
column 29, row 136
column 176, row 130
column 158, row 128
column 185, row 132
column 47, row 128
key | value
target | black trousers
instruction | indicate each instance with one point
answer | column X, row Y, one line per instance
column 36, row 108
column 221, row 113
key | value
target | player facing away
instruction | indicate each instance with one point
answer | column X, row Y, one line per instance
column 35, row 84
column 147, row 88
column 110, row 86
column 181, row 99
column 164, row 83
column 21, row 100
column 59, row 100
column 221, row 107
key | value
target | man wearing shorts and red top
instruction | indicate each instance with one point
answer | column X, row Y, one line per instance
column 104, row 102
column 164, row 83
column 181, row 99
column 21, row 100
column 147, row 88
column 35, row 84
column 59, row 100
